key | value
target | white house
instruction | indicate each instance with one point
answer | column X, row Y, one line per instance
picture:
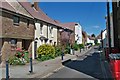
column 99, row 38
column 104, row 38
column 45, row 28
column 90, row 40
column 78, row 33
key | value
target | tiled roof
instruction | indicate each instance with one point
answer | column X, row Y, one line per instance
column 91, row 38
column 41, row 15
column 28, row 7
column 38, row 14
column 69, row 25
column 7, row 6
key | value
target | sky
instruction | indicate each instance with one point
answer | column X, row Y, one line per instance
column 90, row 15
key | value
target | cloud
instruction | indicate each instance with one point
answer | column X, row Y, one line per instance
column 96, row 27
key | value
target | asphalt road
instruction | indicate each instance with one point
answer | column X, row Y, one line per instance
column 87, row 66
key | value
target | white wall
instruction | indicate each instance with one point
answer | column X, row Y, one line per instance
column 90, row 41
column 104, row 34
column 52, row 36
column 45, row 33
column 78, row 31
column 99, row 40
column 112, row 34
column 104, row 38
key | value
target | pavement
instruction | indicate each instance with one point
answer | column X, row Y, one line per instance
column 40, row 69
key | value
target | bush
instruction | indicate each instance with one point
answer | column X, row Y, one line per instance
column 46, row 52
column 20, row 58
column 81, row 46
column 67, row 49
column 75, row 46
column 97, row 44
column 16, row 61
column 58, row 51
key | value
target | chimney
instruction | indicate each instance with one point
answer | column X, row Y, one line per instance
column 36, row 6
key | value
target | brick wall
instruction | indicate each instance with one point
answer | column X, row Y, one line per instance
column 21, row 31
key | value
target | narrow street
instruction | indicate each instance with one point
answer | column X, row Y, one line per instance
column 86, row 66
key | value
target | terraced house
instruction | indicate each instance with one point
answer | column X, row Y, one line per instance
column 17, row 29
column 46, row 29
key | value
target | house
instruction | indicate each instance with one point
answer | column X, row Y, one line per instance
column 64, row 34
column 90, row 40
column 77, row 35
column 104, row 38
column 17, row 29
column 99, row 38
column 46, row 29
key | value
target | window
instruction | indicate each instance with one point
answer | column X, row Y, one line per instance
column 41, row 27
column 28, row 22
column 118, row 3
column 13, row 41
column 16, row 20
column 51, row 30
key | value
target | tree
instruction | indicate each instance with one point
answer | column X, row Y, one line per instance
column 93, row 35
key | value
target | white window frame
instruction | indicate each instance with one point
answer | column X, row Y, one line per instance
column 51, row 31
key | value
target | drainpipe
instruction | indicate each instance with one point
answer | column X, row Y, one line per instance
column 115, row 26
column 108, row 19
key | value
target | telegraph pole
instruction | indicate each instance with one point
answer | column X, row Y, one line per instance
column 108, row 19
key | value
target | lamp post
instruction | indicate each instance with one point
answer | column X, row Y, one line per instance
column 7, row 67
column 31, row 65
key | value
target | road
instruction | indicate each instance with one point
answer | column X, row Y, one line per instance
column 87, row 66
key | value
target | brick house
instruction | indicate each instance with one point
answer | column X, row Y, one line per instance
column 17, row 29
column 63, row 34
column 77, row 32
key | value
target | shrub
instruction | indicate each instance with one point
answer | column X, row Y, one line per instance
column 20, row 58
column 97, row 44
column 58, row 51
column 16, row 61
column 75, row 46
column 46, row 52
column 67, row 49
column 81, row 46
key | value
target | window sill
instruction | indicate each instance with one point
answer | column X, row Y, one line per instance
column 16, row 24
